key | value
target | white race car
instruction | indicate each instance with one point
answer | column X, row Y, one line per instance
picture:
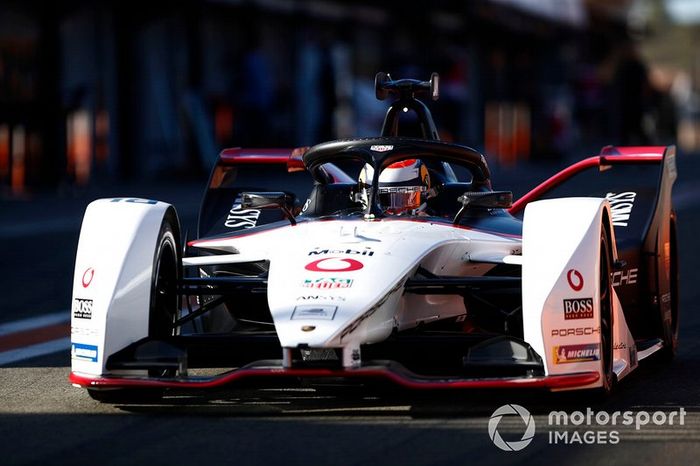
column 402, row 264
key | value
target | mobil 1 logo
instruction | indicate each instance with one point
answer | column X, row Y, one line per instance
column 579, row 308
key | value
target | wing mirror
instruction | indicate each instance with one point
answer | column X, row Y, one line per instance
column 270, row 200
column 485, row 199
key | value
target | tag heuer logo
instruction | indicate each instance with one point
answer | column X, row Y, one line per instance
column 381, row 148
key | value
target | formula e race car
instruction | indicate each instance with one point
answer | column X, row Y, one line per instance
column 382, row 259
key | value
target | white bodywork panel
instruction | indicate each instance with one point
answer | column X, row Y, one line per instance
column 561, row 244
column 112, row 279
column 339, row 284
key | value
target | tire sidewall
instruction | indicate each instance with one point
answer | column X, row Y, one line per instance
column 166, row 255
column 606, row 364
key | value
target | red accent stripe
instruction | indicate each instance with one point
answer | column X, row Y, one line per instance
column 551, row 382
column 633, row 150
column 290, row 157
column 201, row 242
column 34, row 336
column 403, row 163
column 578, row 167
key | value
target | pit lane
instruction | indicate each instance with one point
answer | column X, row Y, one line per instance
column 43, row 420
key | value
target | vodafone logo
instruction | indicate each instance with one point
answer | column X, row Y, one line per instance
column 575, row 279
column 87, row 276
column 334, row 264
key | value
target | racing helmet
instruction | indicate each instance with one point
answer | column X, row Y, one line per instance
column 403, row 185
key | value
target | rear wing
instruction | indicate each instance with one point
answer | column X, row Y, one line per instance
column 239, row 170
column 658, row 156
column 638, row 183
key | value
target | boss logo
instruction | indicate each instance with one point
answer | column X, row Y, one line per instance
column 82, row 308
column 581, row 308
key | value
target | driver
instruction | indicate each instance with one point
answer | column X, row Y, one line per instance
column 403, row 187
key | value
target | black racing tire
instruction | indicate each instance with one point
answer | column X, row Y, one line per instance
column 165, row 300
column 670, row 328
column 163, row 310
column 167, row 271
column 606, row 313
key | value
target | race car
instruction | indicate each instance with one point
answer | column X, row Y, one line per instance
column 386, row 259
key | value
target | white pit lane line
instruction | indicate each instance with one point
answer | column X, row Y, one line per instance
column 34, row 350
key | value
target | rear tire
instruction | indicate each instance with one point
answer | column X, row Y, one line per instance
column 670, row 328
column 606, row 314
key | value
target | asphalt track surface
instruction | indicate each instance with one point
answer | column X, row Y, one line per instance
column 44, row 420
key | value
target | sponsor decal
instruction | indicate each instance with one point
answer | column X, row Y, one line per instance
column 321, row 297
column 620, row 346
column 381, row 148
column 580, row 308
column 84, row 331
column 83, row 352
column 356, row 323
column 575, row 279
column 566, row 354
column 134, row 200
column 666, row 298
column 334, row 264
column 575, row 331
column 314, row 312
column 82, row 308
column 352, row 252
column 621, row 207
column 306, row 205
column 88, row 276
column 327, row 283
column 241, row 218
column 625, row 277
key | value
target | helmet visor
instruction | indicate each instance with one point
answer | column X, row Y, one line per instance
column 400, row 198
